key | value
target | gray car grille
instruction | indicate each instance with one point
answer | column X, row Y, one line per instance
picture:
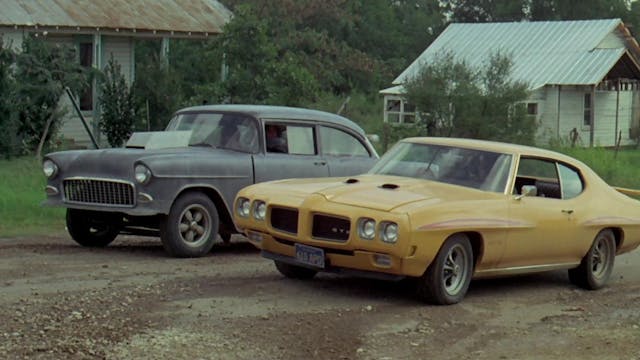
column 99, row 192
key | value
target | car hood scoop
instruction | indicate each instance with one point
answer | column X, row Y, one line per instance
column 377, row 192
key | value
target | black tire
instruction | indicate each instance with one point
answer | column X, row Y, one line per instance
column 191, row 227
column 93, row 228
column 596, row 266
column 447, row 279
column 294, row 272
column 226, row 237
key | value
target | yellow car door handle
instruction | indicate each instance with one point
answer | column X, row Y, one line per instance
column 568, row 211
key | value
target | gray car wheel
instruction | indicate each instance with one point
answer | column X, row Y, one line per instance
column 447, row 279
column 92, row 228
column 596, row 266
column 191, row 227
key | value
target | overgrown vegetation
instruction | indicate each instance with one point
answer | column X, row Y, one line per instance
column 286, row 52
column 460, row 101
column 8, row 146
column 42, row 72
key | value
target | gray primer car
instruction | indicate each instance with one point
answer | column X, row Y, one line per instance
column 180, row 183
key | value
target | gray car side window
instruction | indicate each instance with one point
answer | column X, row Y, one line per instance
column 336, row 142
column 289, row 139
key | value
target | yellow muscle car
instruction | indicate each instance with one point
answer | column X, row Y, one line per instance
column 443, row 211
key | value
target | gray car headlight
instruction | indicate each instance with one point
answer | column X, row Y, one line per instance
column 389, row 232
column 259, row 210
column 49, row 168
column 243, row 207
column 142, row 174
column 367, row 228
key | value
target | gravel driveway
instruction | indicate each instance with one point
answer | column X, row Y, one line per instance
column 62, row 301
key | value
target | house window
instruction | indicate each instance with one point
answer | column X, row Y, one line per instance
column 587, row 109
column 86, row 60
column 532, row 108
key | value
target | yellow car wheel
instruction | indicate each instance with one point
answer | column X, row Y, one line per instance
column 447, row 279
column 596, row 266
column 294, row 272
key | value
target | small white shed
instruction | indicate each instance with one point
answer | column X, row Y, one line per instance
column 583, row 76
column 105, row 28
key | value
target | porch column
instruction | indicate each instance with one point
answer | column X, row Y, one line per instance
column 164, row 51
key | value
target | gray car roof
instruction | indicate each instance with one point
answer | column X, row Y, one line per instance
column 280, row 112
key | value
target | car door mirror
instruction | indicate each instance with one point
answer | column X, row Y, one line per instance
column 529, row 190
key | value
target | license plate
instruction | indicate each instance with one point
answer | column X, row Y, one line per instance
column 310, row 255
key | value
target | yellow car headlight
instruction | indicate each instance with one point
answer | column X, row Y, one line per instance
column 389, row 232
column 243, row 207
column 259, row 210
column 367, row 228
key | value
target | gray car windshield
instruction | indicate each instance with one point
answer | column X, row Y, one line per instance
column 473, row 168
column 237, row 132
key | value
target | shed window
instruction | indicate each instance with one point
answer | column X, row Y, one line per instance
column 587, row 109
column 399, row 111
column 532, row 108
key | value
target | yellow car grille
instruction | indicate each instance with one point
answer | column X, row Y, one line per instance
column 284, row 219
column 330, row 228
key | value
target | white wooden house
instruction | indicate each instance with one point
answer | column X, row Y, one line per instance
column 583, row 76
column 100, row 29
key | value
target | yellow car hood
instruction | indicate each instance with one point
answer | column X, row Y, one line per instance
column 382, row 192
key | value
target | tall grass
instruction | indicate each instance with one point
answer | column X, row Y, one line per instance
column 21, row 192
column 618, row 169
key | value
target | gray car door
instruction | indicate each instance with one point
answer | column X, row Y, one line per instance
column 294, row 155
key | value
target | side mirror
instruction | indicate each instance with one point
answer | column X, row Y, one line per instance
column 527, row 190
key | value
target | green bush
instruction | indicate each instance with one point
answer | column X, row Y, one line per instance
column 118, row 110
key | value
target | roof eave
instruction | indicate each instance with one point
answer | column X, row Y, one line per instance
column 112, row 31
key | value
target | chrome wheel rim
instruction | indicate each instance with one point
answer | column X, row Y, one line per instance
column 600, row 258
column 455, row 272
column 195, row 225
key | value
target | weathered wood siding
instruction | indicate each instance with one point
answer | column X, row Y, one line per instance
column 563, row 110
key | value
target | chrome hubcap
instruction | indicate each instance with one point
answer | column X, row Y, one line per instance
column 454, row 271
column 195, row 225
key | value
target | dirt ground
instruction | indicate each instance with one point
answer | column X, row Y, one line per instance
column 131, row 301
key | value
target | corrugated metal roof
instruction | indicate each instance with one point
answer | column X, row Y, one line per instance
column 199, row 16
column 550, row 52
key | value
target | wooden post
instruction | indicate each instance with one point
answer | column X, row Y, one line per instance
column 615, row 134
column 592, row 116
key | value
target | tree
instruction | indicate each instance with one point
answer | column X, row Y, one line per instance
column 7, row 120
column 486, row 10
column 578, row 9
column 458, row 100
column 261, row 73
column 158, row 88
column 118, row 111
column 42, row 72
